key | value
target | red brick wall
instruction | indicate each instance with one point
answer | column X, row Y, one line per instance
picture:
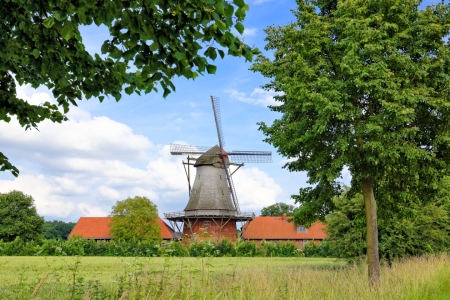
column 217, row 230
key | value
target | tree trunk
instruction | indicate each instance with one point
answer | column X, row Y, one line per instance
column 373, row 258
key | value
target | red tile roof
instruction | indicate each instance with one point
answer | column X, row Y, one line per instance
column 277, row 228
column 97, row 228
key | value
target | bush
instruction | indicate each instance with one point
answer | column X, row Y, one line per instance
column 246, row 249
column 137, row 248
column 203, row 249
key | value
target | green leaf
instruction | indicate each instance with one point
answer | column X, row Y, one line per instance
column 66, row 31
column 211, row 69
column 239, row 3
column 179, row 56
column 166, row 92
column 154, row 46
column 163, row 40
column 35, row 53
column 129, row 90
column 221, row 53
column 221, row 25
column 239, row 27
column 63, row 82
column 157, row 76
column 59, row 15
column 219, row 8
column 211, row 52
column 105, row 47
column 240, row 14
column 49, row 22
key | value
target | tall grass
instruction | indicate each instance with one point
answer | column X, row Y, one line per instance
column 219, row 278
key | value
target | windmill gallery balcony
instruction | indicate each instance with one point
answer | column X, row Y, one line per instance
column 178, row 216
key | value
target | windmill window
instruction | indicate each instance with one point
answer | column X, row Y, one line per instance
column 302, row 229
column 207, row 223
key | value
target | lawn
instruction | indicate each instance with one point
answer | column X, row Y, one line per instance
column 218, row 278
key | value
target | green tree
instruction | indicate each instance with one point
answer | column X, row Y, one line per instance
column 135, row 218
column 18, row 217
column 57, row 229
column 404, row 230
column 364, row 84
column 278, row 209
column 151, row 41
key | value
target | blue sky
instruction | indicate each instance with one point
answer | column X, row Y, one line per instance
column 109, row 151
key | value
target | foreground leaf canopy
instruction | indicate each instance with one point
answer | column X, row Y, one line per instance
column 150, row 42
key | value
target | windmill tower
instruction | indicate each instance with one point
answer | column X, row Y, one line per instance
column 213, row 207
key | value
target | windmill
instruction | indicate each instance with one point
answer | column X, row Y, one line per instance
column 213, row 207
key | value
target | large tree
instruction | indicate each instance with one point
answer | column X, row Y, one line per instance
column 135, row 218
column 278, row 209
column 365, row 85
column 150, row 42
column 18, row 217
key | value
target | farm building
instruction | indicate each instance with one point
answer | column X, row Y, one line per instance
column 274, row 229
column 97, row 228
column 278, row 229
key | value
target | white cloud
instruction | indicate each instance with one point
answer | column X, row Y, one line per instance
column 44, row 191
column 257, row 97
column 33, row 96
column 255, row 189
column 261, row 1
column 346, row 175
column 250, row 31
column 88, row 210
column 107, row 192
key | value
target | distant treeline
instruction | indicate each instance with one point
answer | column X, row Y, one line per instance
column 83, row 247
column 57, row 229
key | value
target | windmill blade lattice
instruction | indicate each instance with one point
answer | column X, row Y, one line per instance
column 216, row 109
column 234, row 156
column 176, row 149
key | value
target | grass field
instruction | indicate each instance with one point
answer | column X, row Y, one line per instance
column 218, row 278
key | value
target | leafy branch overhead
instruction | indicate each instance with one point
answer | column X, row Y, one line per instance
column 150, row 42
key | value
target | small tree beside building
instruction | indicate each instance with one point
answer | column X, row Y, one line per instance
column 135, row 218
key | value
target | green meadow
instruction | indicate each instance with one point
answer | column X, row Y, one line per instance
column 218, row 278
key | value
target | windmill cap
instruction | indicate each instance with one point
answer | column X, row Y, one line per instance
column 208, row 159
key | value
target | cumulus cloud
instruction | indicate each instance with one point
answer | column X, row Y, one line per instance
column 45, row 191
column 255, row 189
column 257, row 97
column 250, row 31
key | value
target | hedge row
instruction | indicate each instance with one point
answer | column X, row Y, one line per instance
column 84, row 247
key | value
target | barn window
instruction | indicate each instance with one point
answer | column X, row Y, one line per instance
column 302, row 229
column 207, row 223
